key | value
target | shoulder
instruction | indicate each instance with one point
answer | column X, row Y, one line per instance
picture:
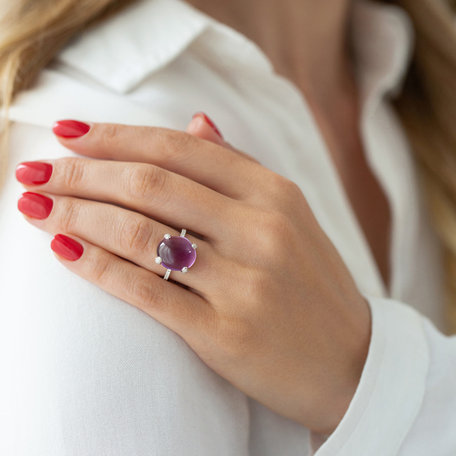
column 102, row 73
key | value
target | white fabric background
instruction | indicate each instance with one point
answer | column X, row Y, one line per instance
column 84, row 373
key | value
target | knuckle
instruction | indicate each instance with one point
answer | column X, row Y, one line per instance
column 146, row 293
column 276, row 228
column 69, row 210
column 284, row 187
column 109, row 133
column 235, row 337
column 135, row 234
column 177, row 143
column 99, row 268
column 144, row 181
column 71, row 172
column 292, row 190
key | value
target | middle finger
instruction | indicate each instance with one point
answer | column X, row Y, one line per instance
column 163, row 195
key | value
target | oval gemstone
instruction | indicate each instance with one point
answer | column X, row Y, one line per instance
column 176, row 253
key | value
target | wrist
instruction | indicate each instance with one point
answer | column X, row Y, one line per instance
column 353, row 352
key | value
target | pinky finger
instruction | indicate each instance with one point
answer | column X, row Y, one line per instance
column 181, row 310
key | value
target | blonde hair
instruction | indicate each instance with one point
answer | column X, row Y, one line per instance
column 32, row 31
column 427, row 107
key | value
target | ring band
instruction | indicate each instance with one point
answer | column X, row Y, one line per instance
column 176, row 253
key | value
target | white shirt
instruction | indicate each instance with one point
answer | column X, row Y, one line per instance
column 87, row 374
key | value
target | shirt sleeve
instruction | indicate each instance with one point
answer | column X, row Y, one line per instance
column 405, row 402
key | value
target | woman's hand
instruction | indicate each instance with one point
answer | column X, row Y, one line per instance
column 269, row 304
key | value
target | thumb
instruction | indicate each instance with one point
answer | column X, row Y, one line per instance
column 203, row 127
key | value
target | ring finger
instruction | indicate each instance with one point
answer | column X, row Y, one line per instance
column 184, row 312
column 125, row 233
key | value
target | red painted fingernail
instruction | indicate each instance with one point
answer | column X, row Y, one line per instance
column 66, row 247
column 35, row 205
column 33, row 172
column 70, row 128
column 209, row 122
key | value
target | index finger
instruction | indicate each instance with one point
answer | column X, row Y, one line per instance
column 212, row 165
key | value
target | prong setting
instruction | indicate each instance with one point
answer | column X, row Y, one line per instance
column 176, row 253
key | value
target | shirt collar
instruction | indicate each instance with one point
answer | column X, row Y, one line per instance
column 382, row 39
column 142, row 38
column 146, row 36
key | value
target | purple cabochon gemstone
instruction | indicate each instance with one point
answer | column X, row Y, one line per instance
column 176, row 253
